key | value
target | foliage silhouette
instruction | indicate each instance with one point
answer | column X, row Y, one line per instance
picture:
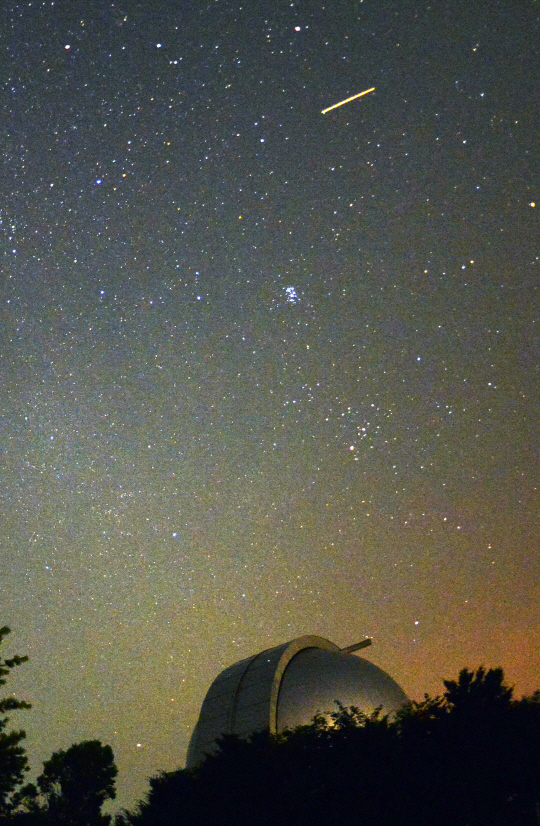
column 75, row 783
column 470, row 757
column 71, row 790
column 13, row 761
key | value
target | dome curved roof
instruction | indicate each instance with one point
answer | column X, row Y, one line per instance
column 315, row 679
column 286, row 686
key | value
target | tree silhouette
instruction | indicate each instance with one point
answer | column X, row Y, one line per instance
column 75, row 783
column 477, row 691
column 13, row 761
column 470, row 757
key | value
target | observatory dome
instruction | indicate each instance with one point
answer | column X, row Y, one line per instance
column 286, row 686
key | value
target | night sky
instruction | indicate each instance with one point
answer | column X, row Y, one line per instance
column 264, row 371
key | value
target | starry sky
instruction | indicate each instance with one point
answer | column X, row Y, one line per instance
column 264, row 371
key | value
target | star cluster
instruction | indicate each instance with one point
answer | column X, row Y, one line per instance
column 265, row 371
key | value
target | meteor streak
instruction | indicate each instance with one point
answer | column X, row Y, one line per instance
column 347, row 100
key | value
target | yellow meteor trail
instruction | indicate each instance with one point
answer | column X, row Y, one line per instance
column 348, row 100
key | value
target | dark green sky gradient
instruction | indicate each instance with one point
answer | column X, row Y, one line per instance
column 264, row 372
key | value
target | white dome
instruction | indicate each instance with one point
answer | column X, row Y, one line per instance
column 286, row 686
column 316, row 678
